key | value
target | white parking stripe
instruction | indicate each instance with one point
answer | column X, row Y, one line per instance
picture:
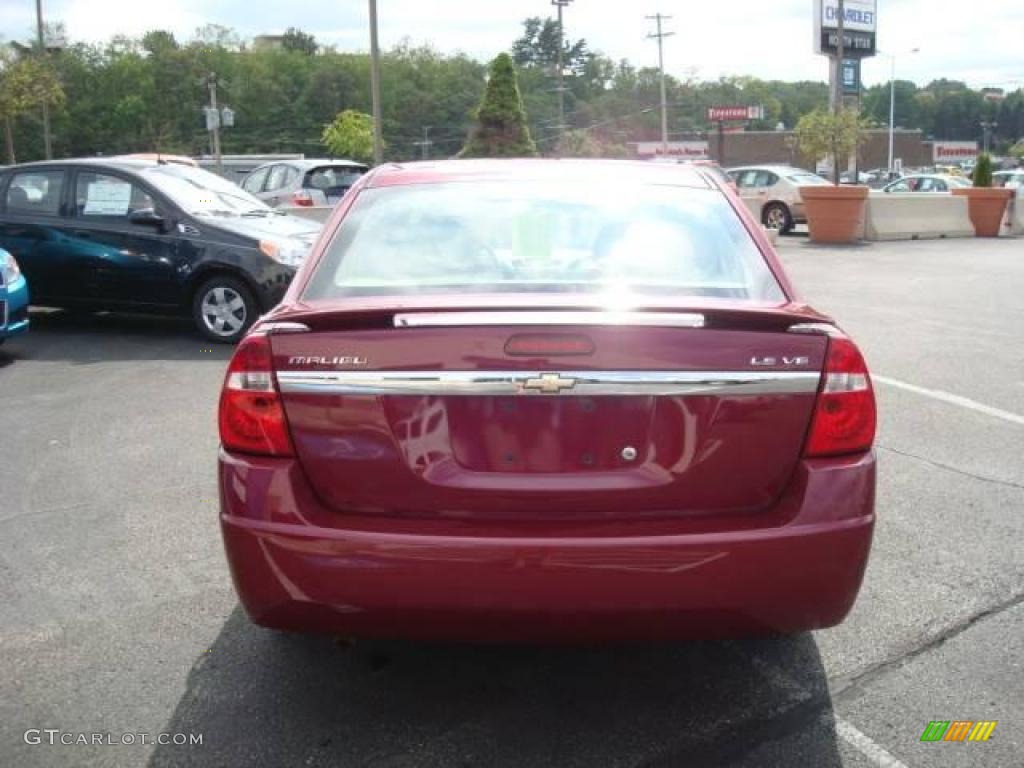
column 866, row 746
column 948, row 397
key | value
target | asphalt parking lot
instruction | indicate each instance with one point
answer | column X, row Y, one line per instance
column 117, row 614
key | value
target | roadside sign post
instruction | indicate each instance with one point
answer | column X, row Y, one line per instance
column 723, row 114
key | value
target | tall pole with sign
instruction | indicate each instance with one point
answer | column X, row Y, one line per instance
column 378, row 140
column 658, row 18
column 214, row 120
column 838, row 70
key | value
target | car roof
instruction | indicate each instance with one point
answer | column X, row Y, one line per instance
column 769, row 167
column 117, row 163
column 309, row 163
column 547, row 169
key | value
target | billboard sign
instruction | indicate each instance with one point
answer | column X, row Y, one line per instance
column 721, row 114
column 954, row 151
column 681, row 150
column 860, row 26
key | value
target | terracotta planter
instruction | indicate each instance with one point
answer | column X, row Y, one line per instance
column 835, row 214
column 986, row 207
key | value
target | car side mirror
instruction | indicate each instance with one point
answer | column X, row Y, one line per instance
column 147, row 217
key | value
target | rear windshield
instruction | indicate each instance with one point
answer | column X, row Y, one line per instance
column 331, row 179
column 490, row 237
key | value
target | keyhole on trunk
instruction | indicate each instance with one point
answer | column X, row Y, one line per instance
column 629, row 453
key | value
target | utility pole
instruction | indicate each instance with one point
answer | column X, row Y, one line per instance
column 658, row 18
column 560, row 64
column 378, row 140
column 47, row 141
column 425, row 144
column 840, row 55
column 211, row 83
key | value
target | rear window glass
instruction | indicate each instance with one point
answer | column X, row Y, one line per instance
column 489, row 237
column 333, row 178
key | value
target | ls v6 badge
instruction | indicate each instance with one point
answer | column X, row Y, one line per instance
column 769, row 361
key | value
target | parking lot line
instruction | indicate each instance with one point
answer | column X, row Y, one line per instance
column 864, row 744
column 949, row 397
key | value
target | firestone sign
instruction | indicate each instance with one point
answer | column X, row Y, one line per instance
column 860, row 25
column 719, row 114
column 685, row 150
column 954, row 151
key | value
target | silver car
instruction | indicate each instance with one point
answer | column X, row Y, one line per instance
column 772, row 193
column 303, row 183
column 927, row 182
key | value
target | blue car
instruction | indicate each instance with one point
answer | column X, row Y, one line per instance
column 13, row 297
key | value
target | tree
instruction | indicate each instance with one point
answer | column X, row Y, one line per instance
column 26, row 83
column 297, row 40
column 982, row 175
column 501, row 129
column 538, row 47
column 822, row 133
column 350, row 135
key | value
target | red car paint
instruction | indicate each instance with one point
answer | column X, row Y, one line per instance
column 518, row 518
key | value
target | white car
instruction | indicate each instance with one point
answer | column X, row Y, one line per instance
column 927, row 182
column 772, row 193
column 1014, row 179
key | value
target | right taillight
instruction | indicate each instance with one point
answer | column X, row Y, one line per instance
column 251, row 416
column 844, row 414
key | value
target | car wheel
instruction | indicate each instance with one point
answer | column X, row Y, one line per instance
column 777, row 216
column 223, row 309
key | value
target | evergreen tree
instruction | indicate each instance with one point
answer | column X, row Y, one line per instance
column 501, row 129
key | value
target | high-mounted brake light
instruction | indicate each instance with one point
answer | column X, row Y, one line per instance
column 251, row 417
column 844, row 414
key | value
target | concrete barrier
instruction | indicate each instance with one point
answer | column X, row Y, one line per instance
column 913, row 216
column 318, row 213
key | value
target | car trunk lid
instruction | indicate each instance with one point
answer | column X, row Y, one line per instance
column 553, row 415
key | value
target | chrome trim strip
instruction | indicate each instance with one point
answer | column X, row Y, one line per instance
column 535, row 383
column 550, row 317
column 281, row 327
column 814, row 328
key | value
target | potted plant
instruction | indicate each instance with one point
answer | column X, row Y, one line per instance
column 985, row 205
column 835, row 214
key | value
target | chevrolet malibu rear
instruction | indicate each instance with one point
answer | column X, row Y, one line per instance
column 532, row 401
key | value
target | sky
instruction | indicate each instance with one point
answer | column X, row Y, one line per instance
column 772, row 39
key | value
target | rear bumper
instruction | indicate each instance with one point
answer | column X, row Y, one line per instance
column 299, row 566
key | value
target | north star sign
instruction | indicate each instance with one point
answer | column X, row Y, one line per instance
column 860, row 23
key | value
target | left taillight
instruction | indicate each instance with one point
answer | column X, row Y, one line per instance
column 303, row 199
column 844, row 414
column 251, row 416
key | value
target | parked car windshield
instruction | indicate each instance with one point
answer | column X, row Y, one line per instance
column 201, row 193
column 488, row 237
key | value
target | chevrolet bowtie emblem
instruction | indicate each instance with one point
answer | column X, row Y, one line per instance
column 548, row 383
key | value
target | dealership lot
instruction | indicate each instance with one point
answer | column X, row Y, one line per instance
column 117, row 614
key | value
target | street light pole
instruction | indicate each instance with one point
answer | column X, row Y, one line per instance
column 892, row 108
column 892, row 104
column 661, row 69
column 47, row 141
column 378, row 140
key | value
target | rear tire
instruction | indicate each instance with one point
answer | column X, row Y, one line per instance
column 777, row 216
column 223, row 309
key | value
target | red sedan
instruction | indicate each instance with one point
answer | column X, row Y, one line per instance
column 545, row 400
